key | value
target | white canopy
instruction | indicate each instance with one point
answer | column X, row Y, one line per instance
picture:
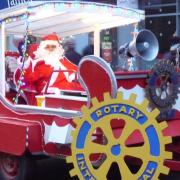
column 67, row 18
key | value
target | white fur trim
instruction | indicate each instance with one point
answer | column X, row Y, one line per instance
column 71, row 77
column 7, row 88
column 26, row 63
column 19, row 61
column 55, row 74
column 53, row 77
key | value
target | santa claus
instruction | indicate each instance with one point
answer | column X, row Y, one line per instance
column 47, row 68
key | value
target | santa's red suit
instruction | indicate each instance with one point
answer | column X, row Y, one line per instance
column 39, row 73
column 42, row 73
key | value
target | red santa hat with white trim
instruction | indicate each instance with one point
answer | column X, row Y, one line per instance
column 51, row 39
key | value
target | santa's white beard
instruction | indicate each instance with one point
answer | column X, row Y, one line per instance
column 50, row 58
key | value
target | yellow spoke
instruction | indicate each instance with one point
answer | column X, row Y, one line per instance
column 124, row 170
column 136, row 151
column 109, row 134
column 92, row 148
column 127, row 131
column 104, row 168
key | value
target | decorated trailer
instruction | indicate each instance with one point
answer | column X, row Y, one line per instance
column 127, row 118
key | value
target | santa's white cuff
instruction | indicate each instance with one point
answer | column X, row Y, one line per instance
column 71, row 77
column 26, row 63
column 7, row 88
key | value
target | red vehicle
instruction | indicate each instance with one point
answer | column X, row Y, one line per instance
column 67, row 125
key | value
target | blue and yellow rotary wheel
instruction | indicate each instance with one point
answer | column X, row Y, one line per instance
column 136, row 117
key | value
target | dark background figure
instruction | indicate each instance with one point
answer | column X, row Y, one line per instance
column 173, row 49
column 89, row 49
column 20, row 48
column 70, row 52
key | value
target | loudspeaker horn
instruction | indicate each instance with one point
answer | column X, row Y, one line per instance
column 145, row 45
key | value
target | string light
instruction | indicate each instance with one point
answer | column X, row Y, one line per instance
column 20, row 82
column 77, row 6
column 117, row 10
column 15, row 18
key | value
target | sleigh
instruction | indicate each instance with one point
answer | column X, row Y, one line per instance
column 115, row 118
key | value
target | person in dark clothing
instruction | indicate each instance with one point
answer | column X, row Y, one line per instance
column 70, row 52
column 174, row 51
column 89, row 50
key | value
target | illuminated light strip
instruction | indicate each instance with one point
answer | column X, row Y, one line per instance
column 76, row 7
column 89, row 7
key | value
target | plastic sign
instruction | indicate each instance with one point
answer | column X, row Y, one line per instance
column 106, row 47
column 10, row 3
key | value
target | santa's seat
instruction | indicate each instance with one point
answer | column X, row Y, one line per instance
column 51, row 94
column 95, row 76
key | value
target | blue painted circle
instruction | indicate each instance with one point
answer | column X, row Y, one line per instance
column 116, row 150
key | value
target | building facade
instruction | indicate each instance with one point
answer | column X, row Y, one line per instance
column 163, row 18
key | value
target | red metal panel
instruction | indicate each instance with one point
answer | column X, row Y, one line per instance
column 132, row 73
column 96, row 78
column 35, row 138
column 17, row 135
column 173, row 128
column 131, row 83
column 130, row 79
column 173, row 165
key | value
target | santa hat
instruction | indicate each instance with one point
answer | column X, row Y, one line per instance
column 51, row 39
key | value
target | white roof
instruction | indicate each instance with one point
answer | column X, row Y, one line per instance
column 67, row 18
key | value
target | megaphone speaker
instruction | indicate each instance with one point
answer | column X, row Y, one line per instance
column 145, row 45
